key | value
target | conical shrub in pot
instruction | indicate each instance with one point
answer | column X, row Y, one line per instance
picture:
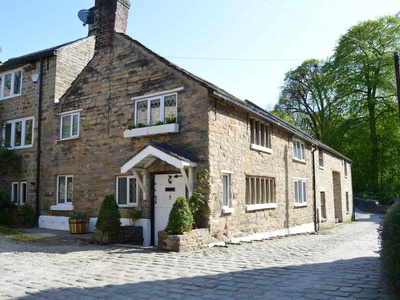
column 180, row 218
column 108, row 221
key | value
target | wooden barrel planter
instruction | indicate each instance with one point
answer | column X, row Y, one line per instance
column 79, row 225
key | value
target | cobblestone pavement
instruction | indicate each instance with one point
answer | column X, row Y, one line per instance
column 341, row 263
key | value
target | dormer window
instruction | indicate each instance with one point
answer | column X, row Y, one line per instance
column 10, row 84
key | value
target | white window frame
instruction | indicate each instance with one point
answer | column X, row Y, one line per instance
column 68, row 205
column 23, row 132
column 154, row 96
column 3, row 83
column 23, row 191
column 264, row 195
column 300, row 192
column 17, row 192
column 14, row 192
column 299, row 152
column 226, row 192
column 128, row 203
column 260, row 136
column 70, row 114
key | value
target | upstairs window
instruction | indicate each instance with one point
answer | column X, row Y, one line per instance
column 18, row 133
column 69, row 125
column 10, row 84
column 321, row 158
column 260, row 136
column 298, row 150
column 156, row 108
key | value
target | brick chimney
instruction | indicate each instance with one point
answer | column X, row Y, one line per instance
column 112, row 16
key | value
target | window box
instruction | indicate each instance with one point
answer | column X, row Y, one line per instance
column 152, row 130
column 165, row 128
column 135, row 132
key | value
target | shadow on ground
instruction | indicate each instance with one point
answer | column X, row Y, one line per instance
column 357, row 278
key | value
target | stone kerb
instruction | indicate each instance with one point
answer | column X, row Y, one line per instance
column 188, row 241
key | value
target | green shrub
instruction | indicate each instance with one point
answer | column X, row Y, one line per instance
column 24, row 216
column 389, row 236
column 180, row 218
column 108, row 221
column 7, row 209
column 133, row 215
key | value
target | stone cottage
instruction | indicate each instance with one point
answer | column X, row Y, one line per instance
column 106, row 115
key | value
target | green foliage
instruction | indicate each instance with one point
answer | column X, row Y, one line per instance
column 25, row 216
column 389, row 236
column 133, row 215
column 195, row 201
column 80, row 215
column 9, row 160
column 108, row 221
column 349, row 102
column 7, row 209
column 180, row 218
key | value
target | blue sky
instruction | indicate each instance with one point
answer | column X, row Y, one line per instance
column 242, row 46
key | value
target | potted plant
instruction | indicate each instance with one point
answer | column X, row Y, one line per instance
column 79, row 223
column 133, row 215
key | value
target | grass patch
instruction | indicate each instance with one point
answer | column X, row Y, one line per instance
column 15, row 234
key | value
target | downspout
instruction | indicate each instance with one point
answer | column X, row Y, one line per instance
column 39, row 138
column 314, row 148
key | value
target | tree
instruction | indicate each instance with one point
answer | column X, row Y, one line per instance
column 309, row 97
column 363, row 66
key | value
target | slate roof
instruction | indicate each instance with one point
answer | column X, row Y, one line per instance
column 22, row 60
column 174, row 151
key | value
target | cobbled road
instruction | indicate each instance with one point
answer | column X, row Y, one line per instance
column 340, row 263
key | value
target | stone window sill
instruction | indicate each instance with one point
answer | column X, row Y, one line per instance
column 253, row 207
column 227, row 210
column 62, row 207
column 261, row 148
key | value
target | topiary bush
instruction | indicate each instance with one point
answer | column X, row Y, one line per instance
column 108, row 221
column 180, row 218
column 389, row 236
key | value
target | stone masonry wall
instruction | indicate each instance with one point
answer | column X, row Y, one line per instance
column 325, row 183
column 103, row 99
column 58, row 73
column 230, row 150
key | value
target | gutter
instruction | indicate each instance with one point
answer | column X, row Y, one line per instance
column 316, row 225
column 39, row 138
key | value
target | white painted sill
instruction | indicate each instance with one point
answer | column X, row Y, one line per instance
column 68, row 139
column 227, row 210
column 302, row 161
column 152, row 130
column 253, row 207
column 261, row 148
column 62, row 207
column 300, row 204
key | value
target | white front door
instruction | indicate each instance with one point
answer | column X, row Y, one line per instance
column 167, row 187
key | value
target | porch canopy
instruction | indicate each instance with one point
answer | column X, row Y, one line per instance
column 165, row 152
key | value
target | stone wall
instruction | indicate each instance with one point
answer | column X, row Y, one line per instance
column 331, row 177
column 103, row 98
column 371, row 206
column 188, row 241
column 230, row 151
column 58, row 73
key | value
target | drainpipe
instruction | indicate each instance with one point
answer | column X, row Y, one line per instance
column 314, row 148
column 39, row 139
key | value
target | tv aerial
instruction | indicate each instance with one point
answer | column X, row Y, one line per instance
column 87, row 17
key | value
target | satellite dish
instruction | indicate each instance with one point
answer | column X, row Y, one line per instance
column 87, row 17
